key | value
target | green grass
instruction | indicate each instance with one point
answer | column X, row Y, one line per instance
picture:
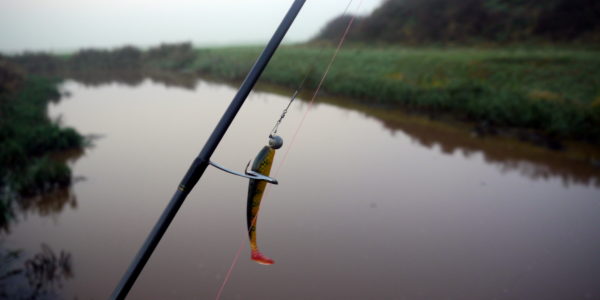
column 28, row 136
column 552, row 91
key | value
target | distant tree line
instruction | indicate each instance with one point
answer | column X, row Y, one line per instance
column 127, row 58
column 467, row 21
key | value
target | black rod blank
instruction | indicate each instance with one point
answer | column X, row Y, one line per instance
column 201, row 162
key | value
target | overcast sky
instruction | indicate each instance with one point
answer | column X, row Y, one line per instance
column 65, row 25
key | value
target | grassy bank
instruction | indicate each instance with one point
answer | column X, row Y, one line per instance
column 553, row 92
column 542, row 94
column 29, row 137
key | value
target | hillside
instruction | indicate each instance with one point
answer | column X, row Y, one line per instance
column 474, row 21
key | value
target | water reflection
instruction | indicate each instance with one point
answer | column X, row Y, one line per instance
column 577, row 164
column 50, row 203
column 131, row 78
column 38, row 277
column 7, row 214
column 410, row 215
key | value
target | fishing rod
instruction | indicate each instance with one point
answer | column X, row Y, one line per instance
column 202, row 161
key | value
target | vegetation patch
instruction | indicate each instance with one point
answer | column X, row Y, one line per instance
column 28, row 137
column 473, row 22
column 551, row 91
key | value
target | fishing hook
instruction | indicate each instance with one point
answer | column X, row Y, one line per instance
column 247, row 174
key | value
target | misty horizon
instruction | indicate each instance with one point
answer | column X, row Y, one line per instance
column 66, row 25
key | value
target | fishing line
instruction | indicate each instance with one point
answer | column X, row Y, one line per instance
column 273, row 132
column 315, row 94
column 296, row 92
column 300, row 125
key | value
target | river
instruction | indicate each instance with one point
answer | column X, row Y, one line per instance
column 372, row 203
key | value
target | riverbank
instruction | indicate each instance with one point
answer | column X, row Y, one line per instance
column 547, row 96
column 552, row 94
column 29, row 138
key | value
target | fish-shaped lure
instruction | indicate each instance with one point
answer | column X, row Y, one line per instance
column 262, row 164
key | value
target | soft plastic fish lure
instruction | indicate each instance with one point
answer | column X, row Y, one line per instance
column 262, row 165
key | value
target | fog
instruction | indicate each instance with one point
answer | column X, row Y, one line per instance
column 66, row 25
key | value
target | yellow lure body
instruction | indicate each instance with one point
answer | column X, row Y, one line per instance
column 262, row 164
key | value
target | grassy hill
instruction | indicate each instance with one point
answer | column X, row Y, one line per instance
column 475, row 22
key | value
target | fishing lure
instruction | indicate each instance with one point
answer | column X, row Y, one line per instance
column 261, row 168
column 262, row 165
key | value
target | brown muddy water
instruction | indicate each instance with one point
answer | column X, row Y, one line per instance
column 372, row 204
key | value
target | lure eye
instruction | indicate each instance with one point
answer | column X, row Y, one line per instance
column 275, row 141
